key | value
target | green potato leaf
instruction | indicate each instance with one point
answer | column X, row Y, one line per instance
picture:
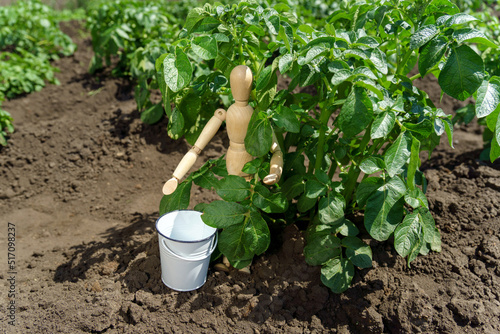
column 488, row 97
column 269, row 202
column 177, row 70
column 259, row 136
column 384, row 209
column 398, row 154
column 321, row 248
column 359, row 253
column 152, row 114
column 205, row 47
column 356, row 113
column 233, row 188
column 423, row 35
column 337, row 274
column 178, row 200
column 462, row 74
column 383, row 124
column 221, row 214
column 372, row 165
column 331, row 208
column 431, row 54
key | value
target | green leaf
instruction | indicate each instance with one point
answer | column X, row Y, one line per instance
column 347, row 228
column 472, row 35
column 221, row 214
column 207, row 25
column 141, row 94
column 408, row 235
column 190, row 107
column 331, row 208
column 372, row 165
column 422, row 36
column 152, row 114
column 259, row 136
column 359, row 253
column 265, row 95
column 293, row 186
column 285, row 63
column 286, row 35
column 252, row 167
column 442, row 6
column 205, row 47
column 416, row 198
column 269, row 202
column 488, row 97
column 305, row 203
column 312, row 54
column 178, row 200
column 431, row 54
column 257, row 235
column 448, row 128
column 321, row 248
column 194, row 17
column 422, row 129
column 371, row 86
column 264, row 78
column 177, row 70
column 378, row 59
column 240, row 241
column 315, row 189
column 397, row 155
column 356, row 113
column 383, row 124
column 273, row 24
column 233, row 188
column 340, row 76
column 431, row 234
column 459, row 18
column 176, row 124
column 462, row 74
column 337, row 274
column 493, row 123
column 384, row 209
column 286, row 119
column 206, row 180
column 366, row 188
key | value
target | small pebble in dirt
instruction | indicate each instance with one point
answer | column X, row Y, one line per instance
column 96, row 287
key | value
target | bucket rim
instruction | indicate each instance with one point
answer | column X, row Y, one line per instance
column 183, row 241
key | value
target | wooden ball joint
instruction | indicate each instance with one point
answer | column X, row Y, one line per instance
column 237, row 119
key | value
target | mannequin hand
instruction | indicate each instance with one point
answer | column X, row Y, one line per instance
column 170, row 186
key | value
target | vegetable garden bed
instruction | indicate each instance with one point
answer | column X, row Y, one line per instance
column 81, row 179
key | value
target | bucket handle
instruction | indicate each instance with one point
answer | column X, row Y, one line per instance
column 212, row 248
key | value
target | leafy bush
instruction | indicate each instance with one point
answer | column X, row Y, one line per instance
column 29, row 40
column 489, row 27
column 351, row 146
column 5, row 124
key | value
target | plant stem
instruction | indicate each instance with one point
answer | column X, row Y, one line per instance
column 354, row 171
column 416, row 76
column 323, row 119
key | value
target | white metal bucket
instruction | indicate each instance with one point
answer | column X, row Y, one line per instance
column 186, row 245
column 185, row 233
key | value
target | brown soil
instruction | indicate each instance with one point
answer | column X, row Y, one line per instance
column 81, row 180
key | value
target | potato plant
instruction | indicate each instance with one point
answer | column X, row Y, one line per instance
column 352, row 145
column 30, row 39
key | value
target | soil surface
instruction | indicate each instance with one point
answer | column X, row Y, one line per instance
column 81, row 180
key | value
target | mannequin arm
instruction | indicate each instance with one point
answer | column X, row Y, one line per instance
column 189, row 159
column 276, row 163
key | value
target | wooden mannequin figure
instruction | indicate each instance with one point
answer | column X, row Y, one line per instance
column 237, row 119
